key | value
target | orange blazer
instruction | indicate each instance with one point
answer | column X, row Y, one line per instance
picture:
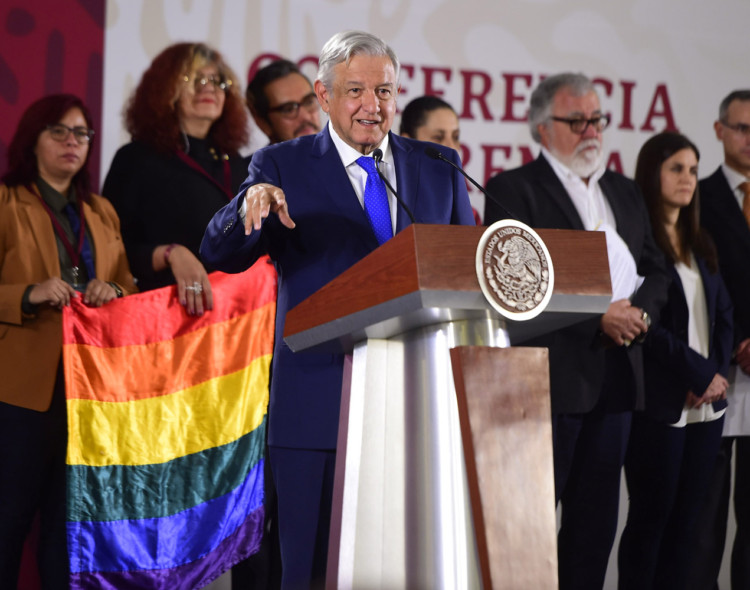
column 31, row 346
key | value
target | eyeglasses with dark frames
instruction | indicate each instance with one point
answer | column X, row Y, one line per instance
column 579, row 125
column 219, row 82
column 741, row 128
column 60, row 132
column 289, row 110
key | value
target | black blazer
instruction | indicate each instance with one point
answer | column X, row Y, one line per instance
column 671, row 366
column 722, row 217
column 536, row 196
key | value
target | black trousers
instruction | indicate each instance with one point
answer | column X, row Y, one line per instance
column 712, row 526
column 32, row 478
column 589, row 451
column 668, row 471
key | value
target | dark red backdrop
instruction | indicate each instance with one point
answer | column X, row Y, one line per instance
column 46, row 47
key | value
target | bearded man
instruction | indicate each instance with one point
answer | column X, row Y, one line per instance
column 596, row 373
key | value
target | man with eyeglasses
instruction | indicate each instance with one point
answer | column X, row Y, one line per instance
column 596, row 373
column 725, row 213
column 282, row 102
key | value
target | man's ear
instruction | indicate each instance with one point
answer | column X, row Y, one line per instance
column 719, row 129
column 261, row 122
column 544, row 135
column 322, row 93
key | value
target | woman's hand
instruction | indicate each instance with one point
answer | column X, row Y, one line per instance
column 716, row 390
column 193, row 286
column 98, row 293
column 54, row 292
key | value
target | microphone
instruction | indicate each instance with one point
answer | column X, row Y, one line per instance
column 437, row 155
column 377, row 155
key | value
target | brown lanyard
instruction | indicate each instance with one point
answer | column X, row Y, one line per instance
column 75, row 255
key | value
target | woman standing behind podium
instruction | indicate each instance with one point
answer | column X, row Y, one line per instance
column 187, row 121
column 675, row 439
column 57, row 242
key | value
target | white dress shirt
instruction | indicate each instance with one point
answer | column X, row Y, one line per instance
column 596, row 215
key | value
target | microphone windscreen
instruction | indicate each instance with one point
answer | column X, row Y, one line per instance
column 377, row 155
column 433, row 153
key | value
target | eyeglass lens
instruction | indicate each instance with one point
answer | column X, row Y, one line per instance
column 740, row 128
column 60, row 132
column 290, row 109
column 218, row 82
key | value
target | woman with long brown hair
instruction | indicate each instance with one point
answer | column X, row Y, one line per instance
column 675, row 439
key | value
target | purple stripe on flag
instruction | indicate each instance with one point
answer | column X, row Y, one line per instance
column 242, row 543
column 166, row 542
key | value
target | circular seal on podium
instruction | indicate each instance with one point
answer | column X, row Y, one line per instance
column 514, row 270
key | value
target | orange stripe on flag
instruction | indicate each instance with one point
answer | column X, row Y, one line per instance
column 131, row 373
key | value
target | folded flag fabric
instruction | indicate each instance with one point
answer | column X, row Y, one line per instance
column 166, row 422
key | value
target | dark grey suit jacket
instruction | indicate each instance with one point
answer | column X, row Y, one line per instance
column 583, row 373
column 722, row 217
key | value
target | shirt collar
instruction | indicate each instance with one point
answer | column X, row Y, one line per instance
column 349, row 155
column 734, row 178
column 56, row 201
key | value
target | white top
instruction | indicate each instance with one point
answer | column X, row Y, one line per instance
column 698, row 334
column 596, row 215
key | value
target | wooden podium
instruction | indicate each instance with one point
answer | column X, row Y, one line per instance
column 409, row 509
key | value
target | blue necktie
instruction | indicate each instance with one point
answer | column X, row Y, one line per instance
column 376, row 201
column 87, row 257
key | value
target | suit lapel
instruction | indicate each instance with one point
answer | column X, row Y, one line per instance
column 40, row 230
column 407, row 178
column 551, row 184
column 621, row 215
column 727, row 207
column 333, row 182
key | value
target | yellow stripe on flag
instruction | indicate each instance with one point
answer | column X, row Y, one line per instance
column 156, row 430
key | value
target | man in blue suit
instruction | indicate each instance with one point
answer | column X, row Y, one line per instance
column 306, row 203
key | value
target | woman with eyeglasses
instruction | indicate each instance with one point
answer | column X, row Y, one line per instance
column 57, row 242
column 187, row 121
column 675, row 439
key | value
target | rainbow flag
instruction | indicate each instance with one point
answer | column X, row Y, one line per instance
column 167, row 421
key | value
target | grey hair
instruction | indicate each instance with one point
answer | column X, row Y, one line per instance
column 742, row 95
column 540, row 108
column 345, row 45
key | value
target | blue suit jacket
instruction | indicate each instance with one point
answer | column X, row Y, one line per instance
column 332, row 233
column 579, row 364
column 671, row 366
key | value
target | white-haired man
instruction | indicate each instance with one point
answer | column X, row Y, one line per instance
column 596, row 375
column 312, row 205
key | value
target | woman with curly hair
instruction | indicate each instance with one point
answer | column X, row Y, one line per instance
column 187, row 121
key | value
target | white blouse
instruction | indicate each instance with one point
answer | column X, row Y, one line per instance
column 698, row 334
